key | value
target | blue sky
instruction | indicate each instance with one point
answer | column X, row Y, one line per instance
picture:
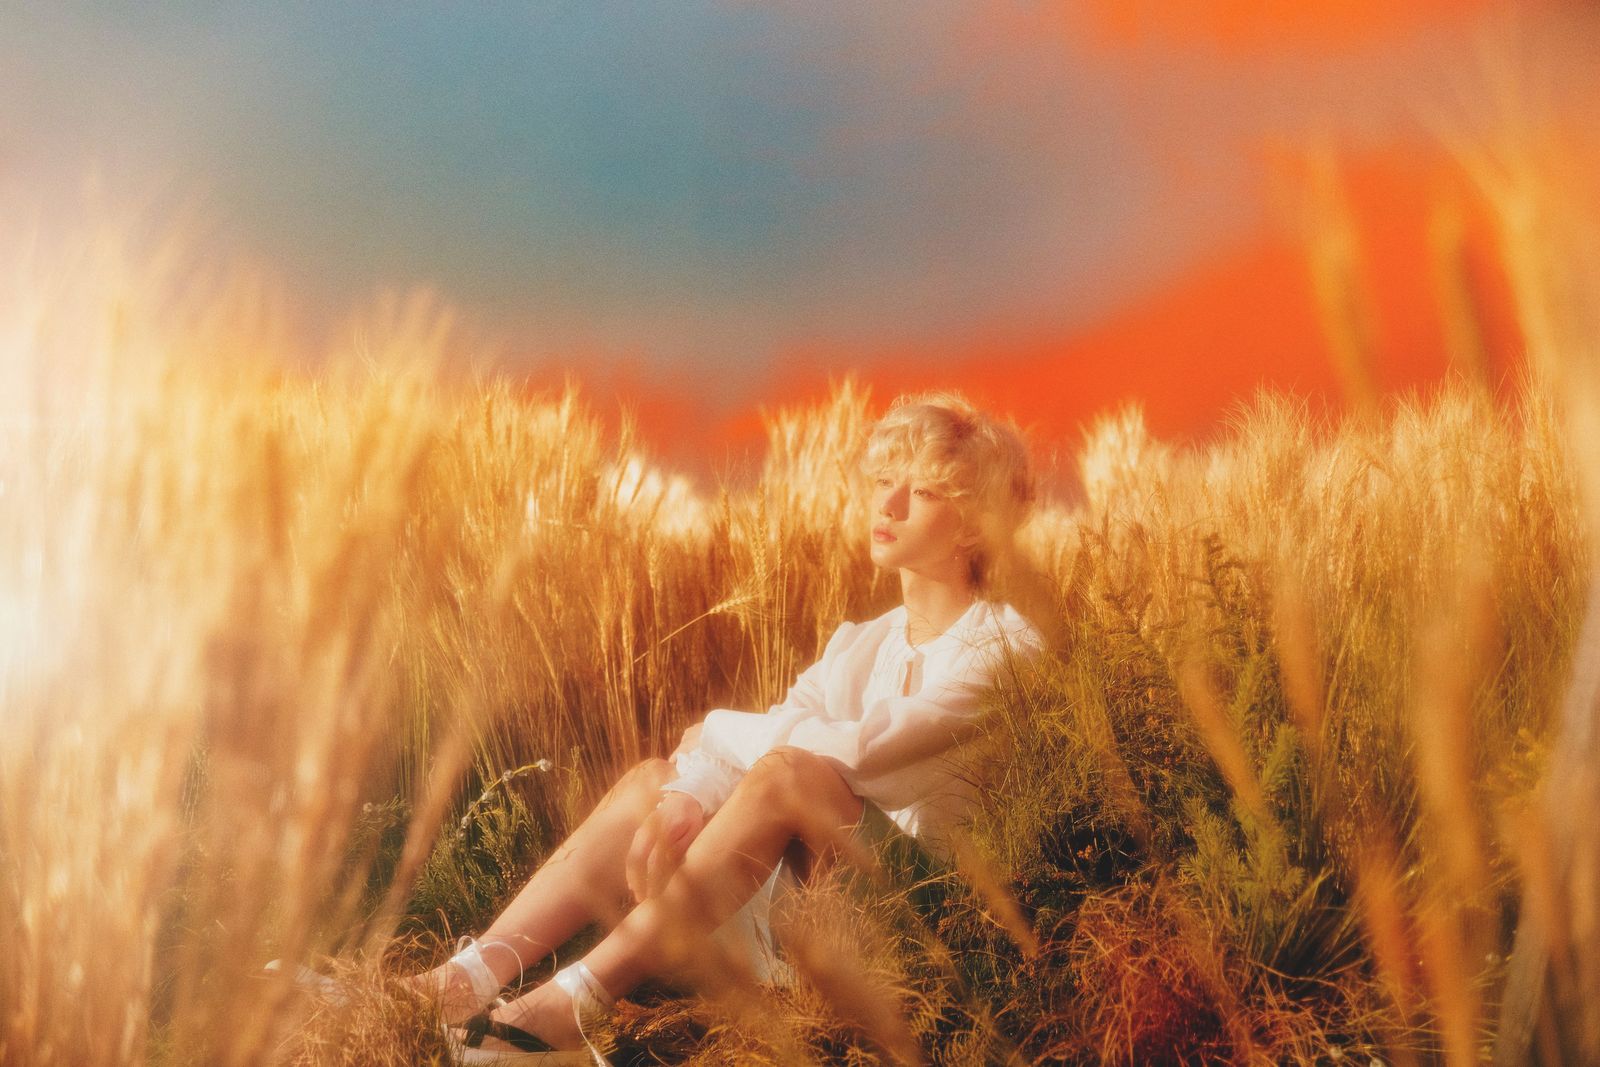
column 698, row 185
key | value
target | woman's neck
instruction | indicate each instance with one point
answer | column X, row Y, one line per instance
column 932, row 605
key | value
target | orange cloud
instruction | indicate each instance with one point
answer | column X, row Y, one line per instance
column 1244, row 317
column 1246, row 27
column 1423, row 274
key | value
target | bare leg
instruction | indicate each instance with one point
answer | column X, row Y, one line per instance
column 788, row 796
column 582, row 882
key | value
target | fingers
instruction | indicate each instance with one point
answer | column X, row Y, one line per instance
column 637, row 867
column 653, row 873
column 664, row 860
column 659, row 846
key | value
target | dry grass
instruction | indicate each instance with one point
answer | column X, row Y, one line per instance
column 295, row 661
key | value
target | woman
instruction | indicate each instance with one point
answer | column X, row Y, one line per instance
column 867, row 730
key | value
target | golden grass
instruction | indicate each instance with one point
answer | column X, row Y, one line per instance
column 295, row 661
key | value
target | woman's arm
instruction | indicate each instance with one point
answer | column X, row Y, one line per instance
column 706, row 778
column 660, row 841
column 710, row 777
column 892, row 733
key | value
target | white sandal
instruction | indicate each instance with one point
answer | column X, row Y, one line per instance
column 591, row 1003
column 527, row 1050
column 469, row 957
column 329, row 990
column 485, row 986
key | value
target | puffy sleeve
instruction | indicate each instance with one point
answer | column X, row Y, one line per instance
column 704, row 777
column 893, row 732
column 710, row 771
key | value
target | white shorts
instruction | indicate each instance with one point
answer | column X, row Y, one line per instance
column 747, row 934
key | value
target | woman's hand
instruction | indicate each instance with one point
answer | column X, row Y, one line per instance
column 660, row 842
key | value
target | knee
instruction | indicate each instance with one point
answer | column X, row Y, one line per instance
column 648, row 776
column 801, row 784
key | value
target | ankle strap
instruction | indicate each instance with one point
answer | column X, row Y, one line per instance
column 590, row 1002
column 485, row 986
column 584, row 988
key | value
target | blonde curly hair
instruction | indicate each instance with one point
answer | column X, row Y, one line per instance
column 978, row 462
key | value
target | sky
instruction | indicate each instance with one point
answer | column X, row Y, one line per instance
column 705, row 207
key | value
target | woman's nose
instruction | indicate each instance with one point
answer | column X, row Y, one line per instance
column 892, row 502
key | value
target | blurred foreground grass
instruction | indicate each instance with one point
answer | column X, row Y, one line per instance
column 297, row 662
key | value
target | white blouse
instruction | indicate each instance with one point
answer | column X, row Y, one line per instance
column 892, row 717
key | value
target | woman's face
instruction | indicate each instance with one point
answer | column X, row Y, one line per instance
column 914, row 526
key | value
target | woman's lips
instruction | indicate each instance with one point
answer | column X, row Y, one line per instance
column 882, row 535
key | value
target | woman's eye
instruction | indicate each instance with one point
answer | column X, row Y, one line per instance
column 927, row 494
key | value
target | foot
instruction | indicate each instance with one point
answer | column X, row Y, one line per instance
column 545, row 1013
column 449, row 985
column 328, row 989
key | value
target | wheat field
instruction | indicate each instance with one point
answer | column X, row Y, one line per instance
column 314, row 655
